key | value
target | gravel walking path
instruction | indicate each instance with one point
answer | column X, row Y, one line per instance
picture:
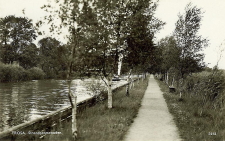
column 153, row 122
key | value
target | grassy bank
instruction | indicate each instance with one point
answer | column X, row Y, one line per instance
column 194, row 122
column 98, row 123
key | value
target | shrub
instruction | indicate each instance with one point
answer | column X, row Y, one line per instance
column 208, row 87
column 11, row 73
column 36, row 73
column 62, row 74
column 15, row 73
column 202, row 109
column 95, row 88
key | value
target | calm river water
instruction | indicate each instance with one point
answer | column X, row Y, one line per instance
column 24, row 101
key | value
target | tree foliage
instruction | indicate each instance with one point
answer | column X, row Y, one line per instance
column 181, row 54
column 29, row 56
column 16, row 33
column 102, row 31
column 50, row 55
column 189, row 41
column 142, row 27
column 170, row 53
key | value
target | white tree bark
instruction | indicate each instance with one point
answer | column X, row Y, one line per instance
column 132, row 83
column 110, row 98
column 73, row 100
column 120, row 64
column 108, row 83
column 128, row 83
column 74, row 119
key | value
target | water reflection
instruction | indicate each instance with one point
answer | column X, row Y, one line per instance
column 24, row 101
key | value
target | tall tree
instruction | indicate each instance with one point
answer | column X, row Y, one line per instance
column 110, row 19
column 7, row 54
column 75, row 16
column 142, row 25
column 15, row 34
column 189, row 41
column 29, row 56
column 170, row 56
column 49, row 56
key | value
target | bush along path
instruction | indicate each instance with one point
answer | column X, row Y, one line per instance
column 153, row 122
column 197, row 117
column 98, row 123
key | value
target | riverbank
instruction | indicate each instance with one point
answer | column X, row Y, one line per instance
column 100, row 123
column 57, row 107
column 22, row 102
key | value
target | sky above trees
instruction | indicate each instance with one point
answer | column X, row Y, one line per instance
column 212, row 28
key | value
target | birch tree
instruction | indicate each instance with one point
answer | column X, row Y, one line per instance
column 189, row 41
column 72, row 18
column 109, row 41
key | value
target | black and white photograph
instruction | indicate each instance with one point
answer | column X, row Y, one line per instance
column 112, row 70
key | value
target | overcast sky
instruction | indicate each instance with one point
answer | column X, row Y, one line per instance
column 212, row 28
column 213, row 21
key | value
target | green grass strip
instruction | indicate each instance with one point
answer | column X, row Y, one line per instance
column 194, row 123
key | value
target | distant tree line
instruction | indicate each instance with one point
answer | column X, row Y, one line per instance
column 104, row 33
column 16, row 47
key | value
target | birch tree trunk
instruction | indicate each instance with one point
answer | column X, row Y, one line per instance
column 74, row 119
column 128, row 83
column 110, row 98
column 73, row 101
column 143, row 76
column 131, row 83
column 181, row 87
